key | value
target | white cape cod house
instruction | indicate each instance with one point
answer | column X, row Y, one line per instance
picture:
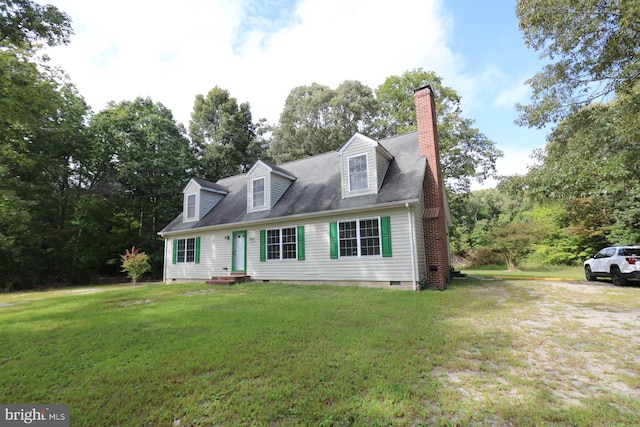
column 373, row 213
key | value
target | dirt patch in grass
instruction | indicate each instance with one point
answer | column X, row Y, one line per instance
column 572, row 345
column 200, row 292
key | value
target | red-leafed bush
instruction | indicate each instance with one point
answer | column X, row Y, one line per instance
column 135, row 263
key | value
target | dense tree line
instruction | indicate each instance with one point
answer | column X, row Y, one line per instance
column 77, row 188
column 584, row 191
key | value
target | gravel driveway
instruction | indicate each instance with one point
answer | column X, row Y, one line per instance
column 571, row 344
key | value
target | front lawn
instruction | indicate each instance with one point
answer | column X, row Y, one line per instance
column 480, row 353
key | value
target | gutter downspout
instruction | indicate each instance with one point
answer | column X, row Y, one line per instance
column 413, row 246
column 164, row 262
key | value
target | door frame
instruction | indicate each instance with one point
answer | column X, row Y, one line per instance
column 233, row 251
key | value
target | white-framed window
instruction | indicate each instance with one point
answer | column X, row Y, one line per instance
column 186, row 250
column 358, row 172
column 282, row 243
column 191, row 206
column 258, row 192
column 359, row 237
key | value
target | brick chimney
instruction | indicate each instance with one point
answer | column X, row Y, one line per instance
column 434, row 223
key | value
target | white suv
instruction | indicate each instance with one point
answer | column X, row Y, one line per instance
column 621, row 263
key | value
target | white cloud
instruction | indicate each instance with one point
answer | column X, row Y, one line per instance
column 517, row 92
column 491, row 87
column 171, row 52
column 516, row 161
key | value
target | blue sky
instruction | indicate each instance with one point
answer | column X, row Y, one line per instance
column 260, row 49
column 487, row 37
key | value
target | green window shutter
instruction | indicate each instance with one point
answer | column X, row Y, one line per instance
column 263, row 245
column 197, row 250
column 333, row 240
column 175, row 250
column 301, row 243
column 385, row 232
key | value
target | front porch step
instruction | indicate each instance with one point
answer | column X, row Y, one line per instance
column 228, row 280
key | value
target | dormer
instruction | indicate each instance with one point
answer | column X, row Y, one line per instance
column 364, row 163
column 265, row 185
column 200, row 197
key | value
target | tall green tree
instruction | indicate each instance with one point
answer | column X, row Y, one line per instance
column 398, row 112
column 355, row 109
column 40, row 113
column 62, row 150
column 152, row 159
column 590, row 90
column 224, row 134
column 27, row 95
column 466, row 153
column 476, row 213
column 24, row 23
column 513, row 241
column 507, row 225
column 61, row 146
column 317, row 119
column 40, row 145
column 554, row 243
column 593, row 49
column 590, row 162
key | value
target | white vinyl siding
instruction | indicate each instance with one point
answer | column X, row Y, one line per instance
column 358, row 147
column 320, row 267
column 198, row 201
column 258, row 173
column 355, row 180
column 382, row 165
column 272, row 185
column 208, row 200
column 192, row 189
column 215, row 254
column 279, row 185
column 215, row 259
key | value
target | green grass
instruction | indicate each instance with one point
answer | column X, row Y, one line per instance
column 270, row 354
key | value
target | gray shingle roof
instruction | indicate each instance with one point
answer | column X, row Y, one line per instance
column 317, row 188
column 211, row 186
column 276, row 169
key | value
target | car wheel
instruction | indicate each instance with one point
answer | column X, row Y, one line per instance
column 617, row 278
column 588, row 274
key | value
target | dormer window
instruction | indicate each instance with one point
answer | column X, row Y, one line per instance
column 258, row 192
column 191, row 206
column 265, row 185
column 358, row 173
column 200, row 197
column 363, row 165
